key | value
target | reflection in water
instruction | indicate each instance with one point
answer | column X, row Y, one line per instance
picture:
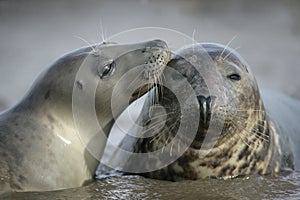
column 284, row 186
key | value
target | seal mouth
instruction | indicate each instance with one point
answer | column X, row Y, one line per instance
column 153, row 68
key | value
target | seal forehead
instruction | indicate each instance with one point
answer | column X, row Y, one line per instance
column 216, row 51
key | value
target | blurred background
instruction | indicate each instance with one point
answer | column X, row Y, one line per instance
column 34, row 33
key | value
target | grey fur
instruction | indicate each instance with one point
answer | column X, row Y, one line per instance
column 40, row 148
column 261, row 134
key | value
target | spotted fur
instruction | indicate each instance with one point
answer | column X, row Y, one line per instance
column 249, row 142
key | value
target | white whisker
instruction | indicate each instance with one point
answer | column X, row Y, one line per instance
column 89, row 44
column 227, row 45
column 241, row 110
column 153, row 127
column 102, row 32
column 193, row 39
column 161, row 115
column 231, row 52
column 240, row 134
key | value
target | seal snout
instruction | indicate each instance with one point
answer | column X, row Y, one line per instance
column 158, row 44
column 206, row 104
column 156, row 62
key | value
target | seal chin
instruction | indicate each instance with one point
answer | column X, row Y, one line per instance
column 153, row 68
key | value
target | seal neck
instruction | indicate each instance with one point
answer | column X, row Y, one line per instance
column 51, row 94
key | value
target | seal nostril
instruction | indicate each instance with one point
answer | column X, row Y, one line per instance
column 206, row 104
column 210, row 101
column 201, row 99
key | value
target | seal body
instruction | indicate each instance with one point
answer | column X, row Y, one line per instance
column 40, row 145
column 259, row 134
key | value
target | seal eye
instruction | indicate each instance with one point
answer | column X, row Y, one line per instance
column 107, row 70
column 234, row 77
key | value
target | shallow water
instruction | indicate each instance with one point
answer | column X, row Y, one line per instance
column 283, row 186
column 34, row 33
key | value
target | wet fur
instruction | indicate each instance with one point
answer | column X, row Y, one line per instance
column 40, row 148
column 249, row 143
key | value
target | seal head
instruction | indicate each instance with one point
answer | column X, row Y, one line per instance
column 44, row 140
column 243, row 145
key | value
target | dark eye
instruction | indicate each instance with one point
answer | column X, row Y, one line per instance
column 107, row 70
column 234, row 77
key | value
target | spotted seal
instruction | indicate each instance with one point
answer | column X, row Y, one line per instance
column 260, row 134
column 40, row 147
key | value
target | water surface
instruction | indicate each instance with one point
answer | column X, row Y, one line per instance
column 283, row 186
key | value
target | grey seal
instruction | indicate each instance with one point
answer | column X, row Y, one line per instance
column 260, row 134
column 40, row 147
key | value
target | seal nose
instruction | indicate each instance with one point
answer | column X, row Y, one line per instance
column 206, row 104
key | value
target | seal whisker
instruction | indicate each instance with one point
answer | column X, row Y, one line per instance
column 241, row 110
column 161, row 115
column 242, row 117
column 230, row 53
column 178, row 147
column 193, row 39
column 257, row 124
column 154, row 125
column 153, row 97
column 242, row 135
column 163, row 80
column 89, row 44
column 160, row 87
column 259, row 136
column 172, row 148
column 227, row 45
column 103, row 35
column 157, row 93
column 171, row 127
column 256, row 134
column 158, row 136
column 261, row 126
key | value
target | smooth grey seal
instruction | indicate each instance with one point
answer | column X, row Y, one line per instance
column 260, row 134
column 40, row 147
